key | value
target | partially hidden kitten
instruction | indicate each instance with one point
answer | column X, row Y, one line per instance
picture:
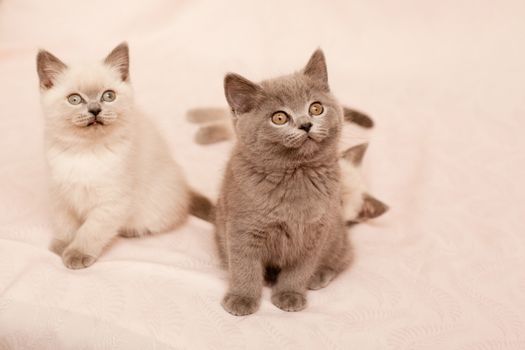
column 358, row 204
column 110, row 170
column 216, row 125
column 279, row 211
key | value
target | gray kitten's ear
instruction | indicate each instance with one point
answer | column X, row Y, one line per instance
column 119, row 59
column 372, row 208
column 355, row 154
column 316, row 69
column 48, row 67
column 242, row 95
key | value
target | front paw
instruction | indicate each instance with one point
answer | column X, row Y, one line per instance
column 75, row 259
column 239, row 305
column 289, row 301
column 57, row 246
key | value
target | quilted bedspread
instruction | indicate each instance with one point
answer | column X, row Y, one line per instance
column 444, row 82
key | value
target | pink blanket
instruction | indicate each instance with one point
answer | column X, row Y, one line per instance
column 444, row 81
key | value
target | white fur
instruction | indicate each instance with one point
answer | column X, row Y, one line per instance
column 118, row 177
column 353, row 189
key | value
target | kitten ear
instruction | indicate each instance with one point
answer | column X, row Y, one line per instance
column 355, row 154
column 119, row 59
column 316, row 69
column 372, row 208
column 242, row 95
column 48, row 68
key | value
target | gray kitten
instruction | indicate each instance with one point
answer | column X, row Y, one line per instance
column 279, row 211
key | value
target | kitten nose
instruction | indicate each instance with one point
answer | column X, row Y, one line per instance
column 306, row 126
column 94, row 110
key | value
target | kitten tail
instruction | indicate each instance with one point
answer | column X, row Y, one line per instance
column 201, row 207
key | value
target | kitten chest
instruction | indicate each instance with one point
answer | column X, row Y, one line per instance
column 84, row 179
column 299, row 196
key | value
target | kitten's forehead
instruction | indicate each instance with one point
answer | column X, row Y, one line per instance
column 91, row 78
column 292, row 90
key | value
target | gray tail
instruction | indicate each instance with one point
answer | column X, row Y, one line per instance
column 202, row 207
column 359, row 118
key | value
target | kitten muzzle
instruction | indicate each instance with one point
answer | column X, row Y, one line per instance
column 95, row 121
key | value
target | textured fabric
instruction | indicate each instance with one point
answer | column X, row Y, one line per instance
column 444, row 269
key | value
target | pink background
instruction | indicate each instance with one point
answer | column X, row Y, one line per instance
column 444, row 81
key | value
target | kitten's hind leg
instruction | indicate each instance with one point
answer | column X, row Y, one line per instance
column 336, row 259
column 321, row 278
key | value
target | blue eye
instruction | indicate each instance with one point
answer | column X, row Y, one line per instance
column 109, row 96
column 74, row 99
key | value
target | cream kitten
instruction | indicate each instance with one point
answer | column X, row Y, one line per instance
column 110, row 170
column 358, row 204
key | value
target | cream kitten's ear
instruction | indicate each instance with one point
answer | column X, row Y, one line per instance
column 119, row 59
column 242, row 95
column 355, row 154
column 48, row 68
column 372, row 208
column 316, row 69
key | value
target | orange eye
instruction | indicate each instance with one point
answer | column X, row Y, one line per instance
column 279, row 118
column 316, row 108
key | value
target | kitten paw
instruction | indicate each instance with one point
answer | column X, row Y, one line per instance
column 75, row 259
column 321, row 278
column 57, row 246
column 238, row 305
column 289, row 301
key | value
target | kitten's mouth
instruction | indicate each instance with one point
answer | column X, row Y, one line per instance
column 94, row 122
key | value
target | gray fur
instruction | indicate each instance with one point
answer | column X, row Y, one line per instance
column 280, row 202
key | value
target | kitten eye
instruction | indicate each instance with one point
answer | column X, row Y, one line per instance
column 74, row 99
column 108, row 96
column 279, row 118
column 316, row 108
